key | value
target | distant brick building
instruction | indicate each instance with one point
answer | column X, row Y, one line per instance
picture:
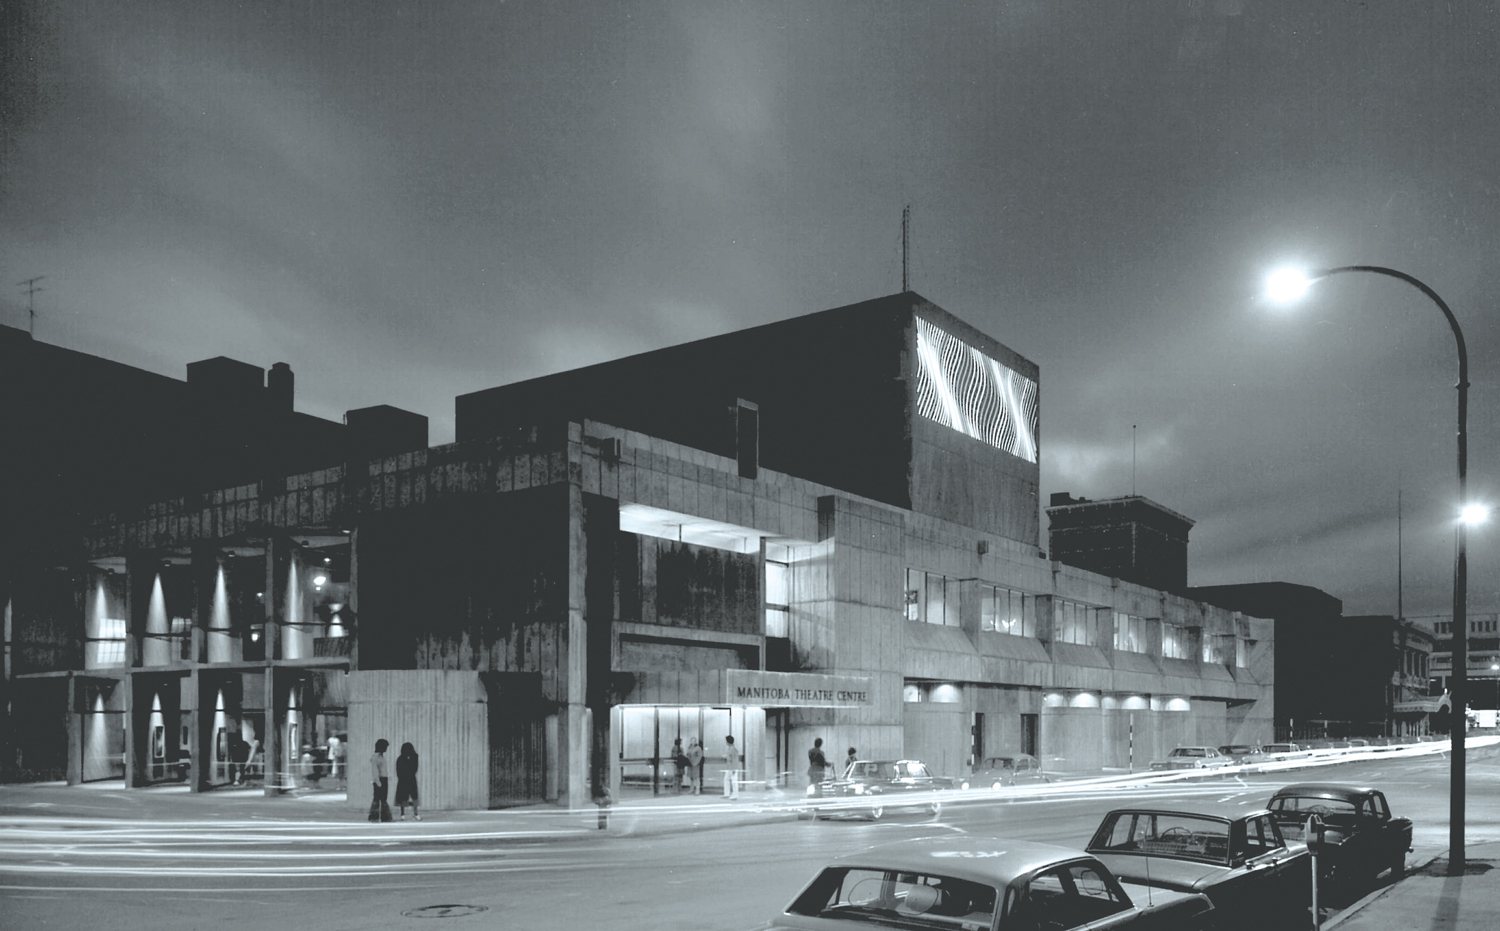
column 1131, row 538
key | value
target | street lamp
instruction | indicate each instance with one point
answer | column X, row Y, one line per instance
column 1288, row 284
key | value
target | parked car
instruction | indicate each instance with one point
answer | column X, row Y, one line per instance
column 1271, row 752
column 970, row 883
column 1239, row 859
column 1192, row 758
column 1362, row 839
column 870, row 788
column 1237, row 753
column 999, row 772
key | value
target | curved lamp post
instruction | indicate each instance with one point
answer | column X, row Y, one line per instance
column 1288, row 284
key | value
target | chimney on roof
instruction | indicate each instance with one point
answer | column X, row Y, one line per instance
column 280, row 388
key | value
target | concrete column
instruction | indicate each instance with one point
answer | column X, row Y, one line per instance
column 573, row 737
column 140, row 576
column 205, row 569
column 354, row 629
column 76, row 709
column 135, row 737
column 271, row 746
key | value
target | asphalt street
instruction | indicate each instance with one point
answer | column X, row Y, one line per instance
column 71, row 867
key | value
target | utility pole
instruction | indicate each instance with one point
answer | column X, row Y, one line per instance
column 31, row 289
column 906, row 248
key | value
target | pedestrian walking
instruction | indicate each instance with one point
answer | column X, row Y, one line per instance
column 679, row 766
column 816, row 763
column 731, row 769
column 406, row 781
column 380, row 776
column 695, row 765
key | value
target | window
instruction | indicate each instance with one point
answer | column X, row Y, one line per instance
column 182, row 632
column 1075, row 623
column 1066, row 897
column 1133, row 633
column 931, row 598
column 109, row 646
column 1178, row 642
column 1006, row 611
column 1218, row 648
column 778, row 596
column 897, row 898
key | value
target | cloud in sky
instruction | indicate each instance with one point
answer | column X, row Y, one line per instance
column 408, row 201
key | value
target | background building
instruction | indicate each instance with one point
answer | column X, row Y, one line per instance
column 823, row 527
column 1483, row 653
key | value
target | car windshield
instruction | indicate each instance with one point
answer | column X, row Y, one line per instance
column 898, row 899
column 909, row 769
column 1188, row 751
column 1000, row 762
column 1163, row 834
column 1330, row 810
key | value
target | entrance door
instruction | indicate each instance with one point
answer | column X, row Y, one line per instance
column 1028, row 733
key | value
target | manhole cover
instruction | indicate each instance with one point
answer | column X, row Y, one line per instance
column 444, row 911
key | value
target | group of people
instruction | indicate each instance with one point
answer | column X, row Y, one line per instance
column 406, row 782
column 817, row 762
column 689, row 762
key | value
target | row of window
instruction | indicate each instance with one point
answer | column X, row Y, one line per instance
column 1489, row 626
column 933, row 599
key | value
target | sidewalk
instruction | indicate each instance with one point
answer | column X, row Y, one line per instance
column 1430, row 900
column 636, row 813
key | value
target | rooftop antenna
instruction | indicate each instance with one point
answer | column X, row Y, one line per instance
column 906, row 248
column 31, row 289
column 1132, row 460
column 1400, row 613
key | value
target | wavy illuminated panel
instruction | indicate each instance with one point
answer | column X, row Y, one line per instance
column 960, row 387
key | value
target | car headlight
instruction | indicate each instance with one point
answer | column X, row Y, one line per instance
column 812, row 790
column 859, row 790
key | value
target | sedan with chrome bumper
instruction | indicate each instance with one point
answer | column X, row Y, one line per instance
column 1361, row 839
column 970, row 883
column 1238, row 858
column 871, row 788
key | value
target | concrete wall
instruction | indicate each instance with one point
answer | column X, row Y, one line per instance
column 443, row 714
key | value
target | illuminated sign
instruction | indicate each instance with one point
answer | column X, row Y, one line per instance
column 796, row 689
column 960, row 387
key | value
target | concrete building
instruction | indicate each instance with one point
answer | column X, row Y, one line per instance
column 822, row 527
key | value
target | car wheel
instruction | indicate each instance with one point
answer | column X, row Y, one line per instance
column 1398, row 865
column 876, row 811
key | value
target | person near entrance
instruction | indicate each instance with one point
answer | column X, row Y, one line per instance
column 816, row 763
column 853, row 755
column 731, row 768
column 695, row 765
column 679, row 766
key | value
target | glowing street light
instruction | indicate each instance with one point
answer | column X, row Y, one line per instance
column 1474, row 514
column 1288, row 284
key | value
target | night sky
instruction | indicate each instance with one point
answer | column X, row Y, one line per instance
column 409, row 201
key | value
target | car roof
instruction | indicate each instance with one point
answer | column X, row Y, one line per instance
column 995, row 861
column 1325, row 790
column 1212, row 811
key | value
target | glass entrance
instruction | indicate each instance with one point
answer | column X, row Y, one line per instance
column 647, row 732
